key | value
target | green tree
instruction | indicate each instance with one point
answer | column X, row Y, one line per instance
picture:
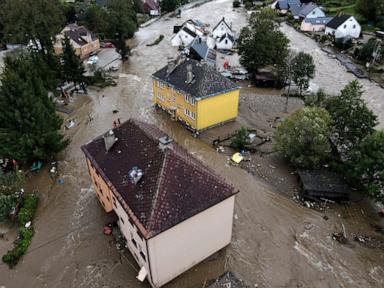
column 368, row 50
column 352, row 119
column 370, row 9
column 72, row 68
column 36, row 21
column 366, row 166
column 316, row 99
column 122, row 24
column 261, row 43
column 303, row 70
column 303, row 138
column 240, row 140
column 29, row 124
column 96, row 19
column 169, row 5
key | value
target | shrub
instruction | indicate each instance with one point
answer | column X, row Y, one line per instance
column 236, row 4
column 303, row 138
column 13, row 256
column 28, row 210
column 7, row 202
column 240, row 139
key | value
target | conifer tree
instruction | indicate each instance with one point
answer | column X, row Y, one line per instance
column 29, row 124
column 72, row 68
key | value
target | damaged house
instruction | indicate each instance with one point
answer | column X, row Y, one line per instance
column 173, row 211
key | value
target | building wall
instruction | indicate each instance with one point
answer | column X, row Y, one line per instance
column 221, row 30
column 226, row 44
column 101, row 188
column 179, row 248
column 309, row 27
column 349, row 28
column 316, row 13
column 136, row 243
column 174, row 102
column 89, row 48
column 214, row 110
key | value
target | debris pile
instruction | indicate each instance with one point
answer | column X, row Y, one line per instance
column 229, row 280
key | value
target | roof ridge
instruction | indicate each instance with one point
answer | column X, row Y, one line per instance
column 155, row 197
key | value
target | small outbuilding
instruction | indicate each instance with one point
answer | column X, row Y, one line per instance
column 323, row 184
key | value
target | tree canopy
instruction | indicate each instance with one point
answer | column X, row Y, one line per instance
column 29, row 124
column 303, row 138
column 352, row 119
column 36, row 21
column 370, row 9
column 122, row 24
column 303, row 70
column 366, row 166
column 72, row 68
column 261, row 43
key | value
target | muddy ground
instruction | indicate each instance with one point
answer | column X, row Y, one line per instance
column 276, row 241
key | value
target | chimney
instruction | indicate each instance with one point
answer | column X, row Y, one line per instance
column 109, row 140
column 189, row 74
column 135, row 174
column 171, row 66
column 165, row 142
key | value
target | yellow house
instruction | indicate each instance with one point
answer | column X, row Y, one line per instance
column 81, row 39
column 195, row 94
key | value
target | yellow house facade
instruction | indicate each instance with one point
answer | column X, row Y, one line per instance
column 195, row 94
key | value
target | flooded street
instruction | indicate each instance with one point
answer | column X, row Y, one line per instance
column 276, row 242
column 331, row 75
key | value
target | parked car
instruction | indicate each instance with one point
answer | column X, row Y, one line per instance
column 107, row 45
column 93, row 60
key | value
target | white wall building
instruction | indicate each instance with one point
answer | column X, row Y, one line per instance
column 221, row 28
column 172, row 210
column 343, row 26
column 187, row 33
column 225, row 42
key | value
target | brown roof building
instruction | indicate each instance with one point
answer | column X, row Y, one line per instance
column 163, row 196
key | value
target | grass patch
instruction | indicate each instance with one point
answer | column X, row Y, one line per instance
column 157, row 41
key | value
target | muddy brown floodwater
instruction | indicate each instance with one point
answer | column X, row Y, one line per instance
column 276, row 242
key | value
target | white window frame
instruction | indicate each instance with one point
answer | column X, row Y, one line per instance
column 190, row 114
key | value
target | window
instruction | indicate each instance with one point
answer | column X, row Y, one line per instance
column 134, row 242
column 189, row 99
column 130, row 221
column 121, row 219
column 345, row 26
column 114, row 204
column 190, row 114
column 226, row 41
column 101, row 191
column 143, row 255
column 160, row 84
column 160, row 96
column 109, row 200
column 354, row 26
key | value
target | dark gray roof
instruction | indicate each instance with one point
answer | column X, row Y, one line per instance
column 200, row 47
column 222, row 20
column 307, row 8
column 338, row 20
column 226, row 35
column 207, row 81
column 189, row 31
column 78, row 34
column 295, row 9
column 283, row 4
column 319, row 20
column 323, row 181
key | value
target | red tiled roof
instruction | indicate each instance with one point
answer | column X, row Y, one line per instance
column 175, row 185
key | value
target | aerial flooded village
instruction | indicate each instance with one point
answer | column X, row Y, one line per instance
column 184, row 144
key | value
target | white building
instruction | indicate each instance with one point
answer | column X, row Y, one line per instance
column 221, row 28
column 343, row 26
column 187, row 33
column 225, row 42
column 173, row 211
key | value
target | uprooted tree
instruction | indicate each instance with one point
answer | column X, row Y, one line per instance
column 29, row 123
column 303, row 138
